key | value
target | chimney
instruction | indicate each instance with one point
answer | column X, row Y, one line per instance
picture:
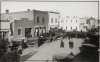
column 28, row 10
column 7, row 11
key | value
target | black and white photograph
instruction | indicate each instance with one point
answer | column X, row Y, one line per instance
column 49, row 31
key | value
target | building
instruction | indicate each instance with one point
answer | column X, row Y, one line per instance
column 30, row 23
column 20, row 29
column 92, row 23
column 54, row 19
column 73, row 23
column 41, row 21
column 4, row 29
column 83, row 24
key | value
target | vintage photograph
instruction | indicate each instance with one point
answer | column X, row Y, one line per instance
column 49, row 31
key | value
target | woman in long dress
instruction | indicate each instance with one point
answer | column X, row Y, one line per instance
column 62, row 44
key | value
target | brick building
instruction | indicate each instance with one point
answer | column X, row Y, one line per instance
column 30, row 23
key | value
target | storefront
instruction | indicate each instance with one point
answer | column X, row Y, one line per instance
column 39, row 31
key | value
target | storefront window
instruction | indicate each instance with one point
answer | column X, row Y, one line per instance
column 19, row 31
column 28, row 32
column 43, row 20
column 37, row 20
column 51, row 20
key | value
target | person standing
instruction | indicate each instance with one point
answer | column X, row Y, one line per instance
column 62, row 44
column 71, row 44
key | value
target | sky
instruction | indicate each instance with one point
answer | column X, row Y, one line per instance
column 65, row 8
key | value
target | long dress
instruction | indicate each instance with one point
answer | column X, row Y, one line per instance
column 62, row 44
column 71, row 45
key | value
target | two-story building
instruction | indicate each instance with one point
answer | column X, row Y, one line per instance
column 54, row 19
column 73, row 23
column 30, row 23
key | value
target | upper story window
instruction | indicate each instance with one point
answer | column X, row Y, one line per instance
column 66, row 20
column 71, row 20
column 66, row 27
column 71, row 27
column 61, row 21
column 19, row 31
column 56, row 20
column 81, row 23
column 43, row 20
column 24, row 18
column 37, row 19
column 76, row 21
column 51, row 20
column 76, row 28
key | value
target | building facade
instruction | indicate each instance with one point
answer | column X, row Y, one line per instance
column 92, row 23
column 30, row 23
column 54, row 19
column 20, row 29
column 73, row 23
column 41, row 21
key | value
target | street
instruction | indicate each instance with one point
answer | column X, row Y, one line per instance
column 48, row 50
column 49, row 32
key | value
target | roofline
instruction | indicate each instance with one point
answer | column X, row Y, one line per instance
column 53, row 12
column 31, row 11
column 4, row 21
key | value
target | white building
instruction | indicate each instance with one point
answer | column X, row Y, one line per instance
column 54, row 18
column 73, row 23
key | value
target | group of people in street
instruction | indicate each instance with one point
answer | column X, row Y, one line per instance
column 71, row 44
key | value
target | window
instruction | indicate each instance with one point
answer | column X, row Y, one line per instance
column 71, row 20
column 56, row 20
column 66, row 20
column 66, row 27
column 19, row 31
column 28, row 32
column 24, row 18
column 76, row 20
column 43, row 20
column 51, row 20
column 71, row 27
column 81, row 23
column 76, row 28
column 88, row 21
column 61, row 21
column 37, row 19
